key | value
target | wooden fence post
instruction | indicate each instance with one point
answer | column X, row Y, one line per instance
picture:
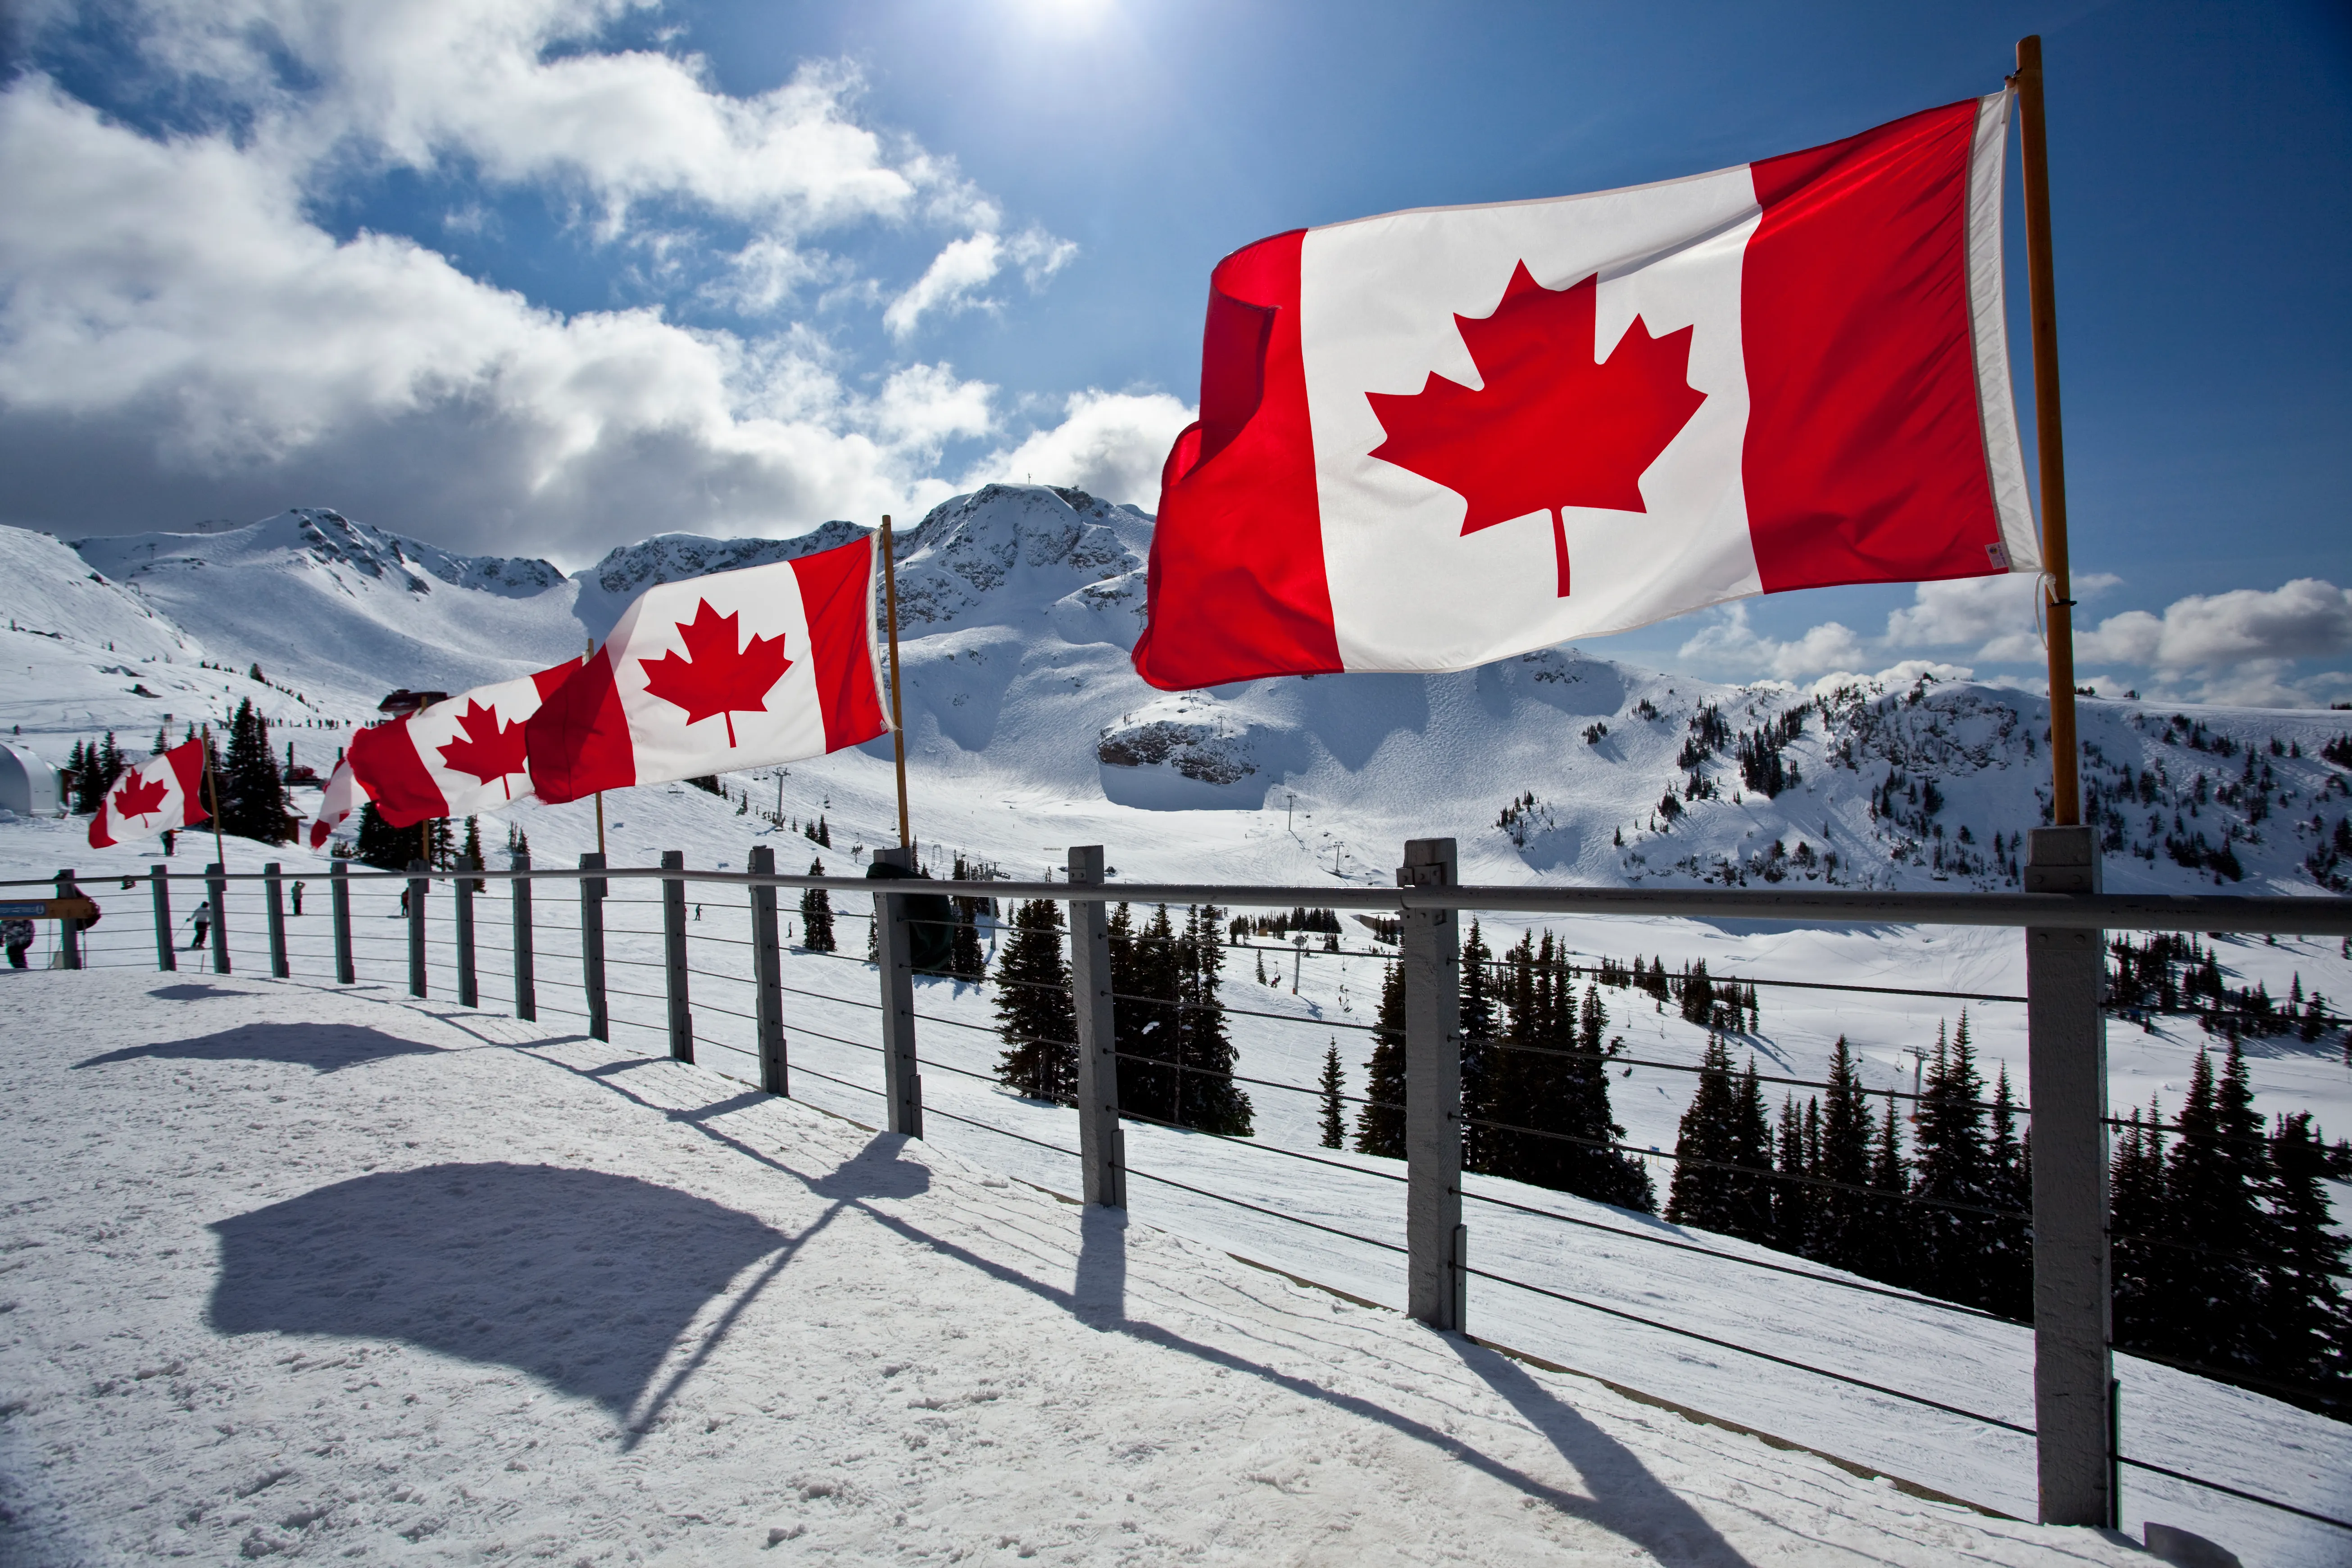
column 1435, row 1243
column 158, row 882
column 69, row 931
column 673, row 902
column 470, row 990
column 273, row 887
column 338, row 890
column 417, row 883
column 767, row 976
column 592, row 946
column 526, row 992
column 216, row 888
column 901, row 1072
column 2067, row 1047
column 1102, row 1147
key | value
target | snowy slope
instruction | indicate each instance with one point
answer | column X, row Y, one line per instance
column 317, row 1277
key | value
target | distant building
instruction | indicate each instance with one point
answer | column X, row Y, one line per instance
column 28, row 786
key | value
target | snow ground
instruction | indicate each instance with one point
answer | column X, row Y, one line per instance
column 306, row 1273
column 1604, row 1256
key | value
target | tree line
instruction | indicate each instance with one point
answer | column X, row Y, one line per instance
column 1168, row 1022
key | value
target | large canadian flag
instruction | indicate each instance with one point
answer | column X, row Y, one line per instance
column 459, row 755
column 1444, row 436
column 737, row 669
column 165, row 791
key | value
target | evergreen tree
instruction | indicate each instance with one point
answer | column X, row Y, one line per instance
column 816, row 914
column 2212, row 1191
column 1888, row 1256
column 253, row 796
column 1555, row 1082
column 1724, row 1129
column 1035, row 1015
column 473, row 850
column 1479, row 1058
column 111, row 765
column 1379, row 1124
column 77, row 764
column 1207, row 1095
column 1335, row 1125
column 381, row 845
column 2135, row 1200
column 441, row 845
column 2306, row 1319
column 1954, row 1245
column 1793, row 1222
column 2008, row 1274
column 1842, row 1237
column 1144, row 1014
column 967, row 960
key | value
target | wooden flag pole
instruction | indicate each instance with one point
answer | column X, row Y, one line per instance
column 212, row 801
column 2065, row 778
column 898, row 730
column 600, row 794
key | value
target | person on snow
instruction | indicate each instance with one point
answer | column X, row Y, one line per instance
column 298, row 897
column 202, row 918
column 19, row 935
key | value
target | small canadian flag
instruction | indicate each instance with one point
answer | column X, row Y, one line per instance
column 460, row 755
column 164, row 791
column 737, row 669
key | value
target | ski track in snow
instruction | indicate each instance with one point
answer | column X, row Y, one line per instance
column 340, row 1275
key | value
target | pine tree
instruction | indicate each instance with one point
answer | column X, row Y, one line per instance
column 1335, row 1125
column 1379, row 1124
column 1793, row 1222
column 441, row 845
column 473, row 850
column 966, row 957
column 2212, row 1191
column 2306, row 1319
column 1842, row 1236
column 111, row 765
column 1723, row 1129
column 2135, row 1200
column 1035, row 1015
column 253, row 796
column 1144, row 1014
column 1207, row 1095
column 381, row 845
column 1955, row 1245
column 816, row 914
column 1480, row 1060
column 1888, row 1256
column 2008, row 1274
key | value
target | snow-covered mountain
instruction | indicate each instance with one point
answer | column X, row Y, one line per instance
column 1018, row 606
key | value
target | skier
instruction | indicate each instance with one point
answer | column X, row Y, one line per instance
column 19, row 935
column 298, row 898
column 202, row 918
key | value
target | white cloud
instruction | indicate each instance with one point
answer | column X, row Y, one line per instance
column 947, row 283
column 517, row 89
column 1728, row 642
column 169, row 311
column 952, row 280
column 1111, row 444
column 2306, row 618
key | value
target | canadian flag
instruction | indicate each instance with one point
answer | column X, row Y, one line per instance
column 341, row 797
column 1440, row 437
column 737, row 669
column 166, row 790
column 462, row 754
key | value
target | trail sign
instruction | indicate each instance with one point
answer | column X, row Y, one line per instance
column 82, row 909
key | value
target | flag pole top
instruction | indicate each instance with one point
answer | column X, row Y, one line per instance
column 2057, row 588
column 898, row 728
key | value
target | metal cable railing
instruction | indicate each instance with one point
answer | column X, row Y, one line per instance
column 562, row 963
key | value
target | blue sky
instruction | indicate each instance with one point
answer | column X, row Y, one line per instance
column 547, row 276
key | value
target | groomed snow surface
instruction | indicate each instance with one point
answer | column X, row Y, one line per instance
column 336, row 1273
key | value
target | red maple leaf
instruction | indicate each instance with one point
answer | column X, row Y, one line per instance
column 139, row 796
column 1552, row 426
column 717, row 678
column 492, row 751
